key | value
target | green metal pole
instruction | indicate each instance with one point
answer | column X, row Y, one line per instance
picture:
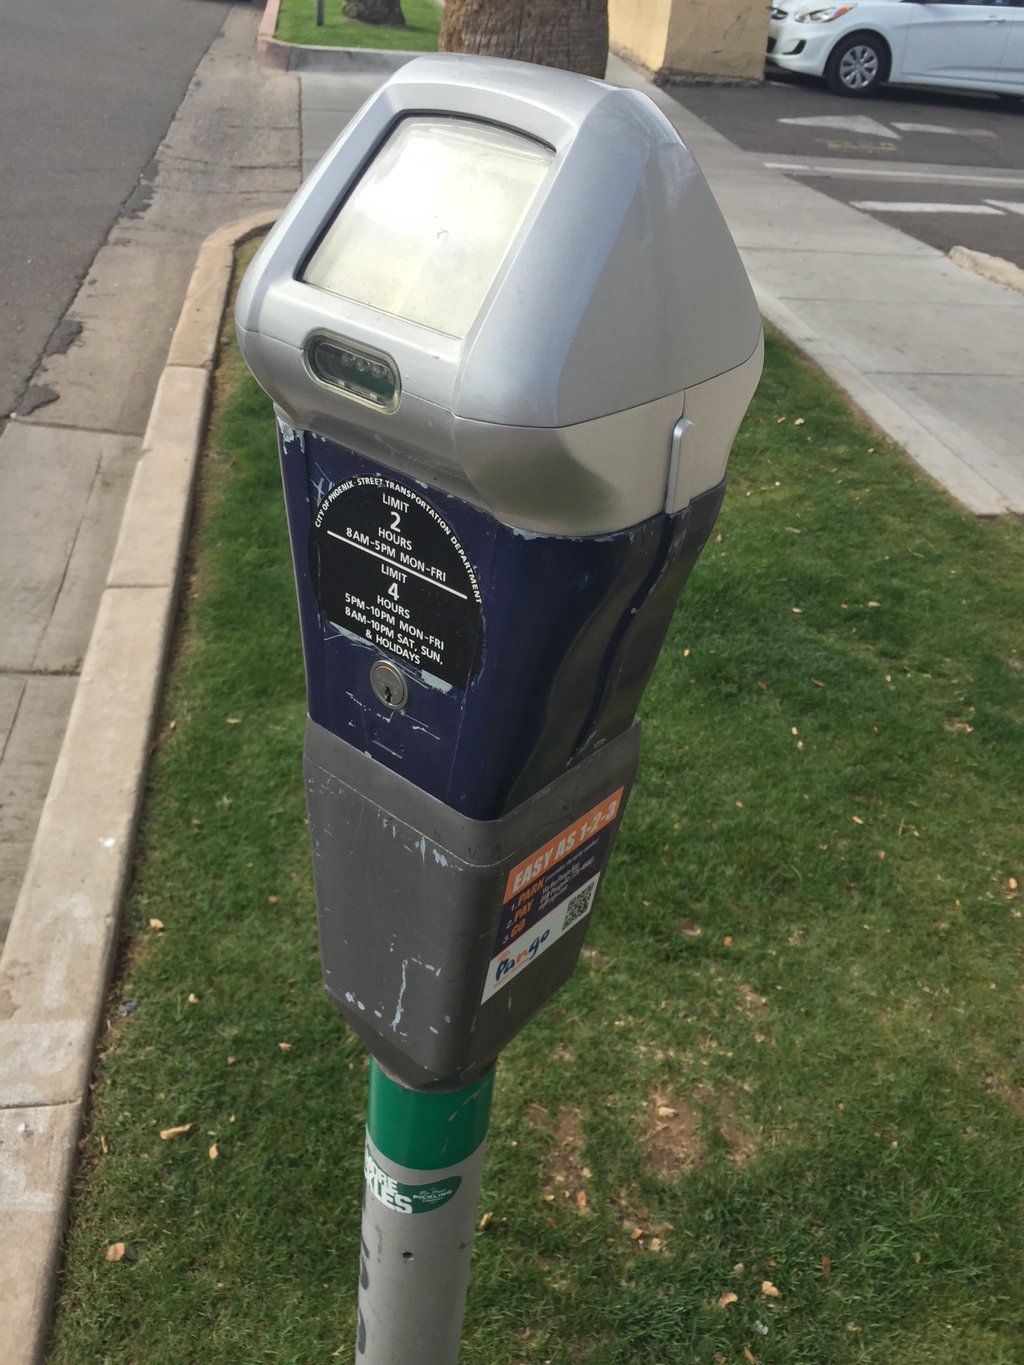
column 423, row 1166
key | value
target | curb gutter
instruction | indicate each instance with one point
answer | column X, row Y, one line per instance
column 63, row 938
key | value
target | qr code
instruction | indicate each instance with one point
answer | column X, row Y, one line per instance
column 579, row 905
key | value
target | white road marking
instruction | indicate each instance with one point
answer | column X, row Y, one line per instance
column 851, row 123
column 837, row 171
column 887, row 206
column 1017, row 207
column 938, row 128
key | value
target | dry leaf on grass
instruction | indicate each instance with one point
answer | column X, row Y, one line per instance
column 769, row 1290
column 485, row 1220
column 180, row 1131
column 115, row 1252
column 826, row 1267
column 156, row 924
column 213, row 1154
column 286, row 1047
column 724, row 1300
column 749, row 1356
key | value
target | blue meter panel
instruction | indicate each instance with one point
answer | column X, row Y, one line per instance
column 522, row 653
column 386, row 566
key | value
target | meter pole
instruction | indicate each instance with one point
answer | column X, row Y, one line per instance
column 423, row 1165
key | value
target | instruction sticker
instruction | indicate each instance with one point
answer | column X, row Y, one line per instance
column 550, row 891
column 386, row 566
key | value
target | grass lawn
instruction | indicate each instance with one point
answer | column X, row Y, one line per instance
column 778, row 1114
column 296, row 23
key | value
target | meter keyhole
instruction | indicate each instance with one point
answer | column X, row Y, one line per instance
column 389, row 686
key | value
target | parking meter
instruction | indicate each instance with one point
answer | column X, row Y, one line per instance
column 509, row 341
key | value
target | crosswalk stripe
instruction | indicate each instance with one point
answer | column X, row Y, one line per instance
column 886, row 206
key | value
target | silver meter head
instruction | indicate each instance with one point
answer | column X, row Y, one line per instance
column 514, row 283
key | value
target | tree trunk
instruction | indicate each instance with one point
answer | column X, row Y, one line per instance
column 569, row 33
column 388, row 12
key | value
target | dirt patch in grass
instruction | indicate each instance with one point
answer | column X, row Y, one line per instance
column 1013, row 1095
column 563, row 1174
column 742, row 1143
column 673, row 1136
column 751, row 1004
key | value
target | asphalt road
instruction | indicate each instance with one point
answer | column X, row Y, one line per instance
column 87, row 92
column 944, row 167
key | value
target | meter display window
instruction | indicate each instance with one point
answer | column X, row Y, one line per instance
column 426, row 228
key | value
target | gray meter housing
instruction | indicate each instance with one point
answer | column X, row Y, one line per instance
column 510, row 341
column 618, row 307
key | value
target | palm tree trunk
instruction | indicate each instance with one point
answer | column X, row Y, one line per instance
column 569, row 33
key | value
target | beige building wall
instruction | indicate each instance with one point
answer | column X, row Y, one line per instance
column 717, row 38
column 638, row 29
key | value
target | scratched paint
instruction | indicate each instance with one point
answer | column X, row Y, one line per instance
column 401, row 996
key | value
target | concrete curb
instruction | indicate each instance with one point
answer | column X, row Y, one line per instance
column 932, row 454
column 63, row 938
column 275, row 55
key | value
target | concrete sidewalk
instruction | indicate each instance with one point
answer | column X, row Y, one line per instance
column 66, row 464
column 932, row 354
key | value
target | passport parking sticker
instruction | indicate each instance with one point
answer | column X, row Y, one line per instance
column 550, row 891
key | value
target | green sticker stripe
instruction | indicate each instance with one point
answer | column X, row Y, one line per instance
column 404, row 1198
column 427, row 1131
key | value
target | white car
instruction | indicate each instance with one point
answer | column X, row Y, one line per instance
column 959, row 43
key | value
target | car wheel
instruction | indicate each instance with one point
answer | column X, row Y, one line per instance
column 857, row 65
